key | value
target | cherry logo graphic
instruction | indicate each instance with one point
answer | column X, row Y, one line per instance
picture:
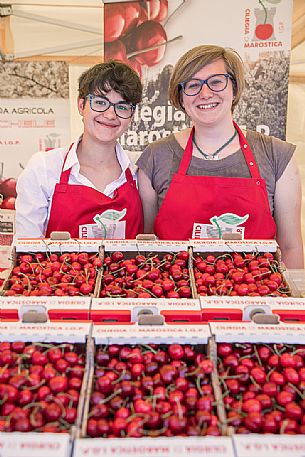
column 264, row 29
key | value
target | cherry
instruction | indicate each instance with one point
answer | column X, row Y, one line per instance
column 253, row 422
column 277, row 378
column 287, row 360
column 135, row 428
column 22, row 425
column 291, row 375
column 258, row 375
column 283, row 398
column 114, row 21
column 104, row 384
column 148, row 35
column 156, row 290
column 8, row 408
column 293, row 410
column 116, row 50
column 70, row 415
column 185, row 292
column 243, row 373
column 92, row 428
column 176, row 351
column 224, row 349
column 39, row 358
column 100, row 410
column 270, row 389
column 142, row 407
column 270, row 425
column 264, row 31
column 8, row 188
column 173, row 294
column 177, row 424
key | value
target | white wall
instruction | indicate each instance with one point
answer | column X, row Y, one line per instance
column 296, row 117
column 76, row 126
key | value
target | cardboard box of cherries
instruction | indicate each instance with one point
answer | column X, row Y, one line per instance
column 239, row 268
column 157, row 383
column 261, row 370
column 115, row 280
column 145, row 277
column 43, row 378
column 173, row 386
column 235, row 277
column 52, row 276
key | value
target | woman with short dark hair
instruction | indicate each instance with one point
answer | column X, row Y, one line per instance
column 88, row 189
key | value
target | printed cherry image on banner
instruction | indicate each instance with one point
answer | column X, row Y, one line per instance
column 151, row 35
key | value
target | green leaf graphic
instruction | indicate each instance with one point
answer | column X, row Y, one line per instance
column 229, row 219
column 113, row 215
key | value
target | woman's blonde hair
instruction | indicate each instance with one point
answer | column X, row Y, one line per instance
column 197, row 58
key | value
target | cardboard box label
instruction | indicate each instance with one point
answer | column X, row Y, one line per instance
column 163, row 245
column 48, row 332
column 45, row 245
column 232, row 302
column 34, row 445
column 173, row 304
column 255, row 445
column 242, row 332
column 234, row 245
column 48, row 302
column 156, row 447
column 286, row 302
column 120, row 245
column 145, row 245
column 167, row 334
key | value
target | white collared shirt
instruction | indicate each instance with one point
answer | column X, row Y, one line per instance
column 36, row 184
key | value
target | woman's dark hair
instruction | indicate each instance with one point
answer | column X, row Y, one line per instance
column 115, row 75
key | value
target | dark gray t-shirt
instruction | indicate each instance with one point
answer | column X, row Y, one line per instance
column 161, row 159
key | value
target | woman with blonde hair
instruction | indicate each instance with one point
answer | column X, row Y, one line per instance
column 215, row 178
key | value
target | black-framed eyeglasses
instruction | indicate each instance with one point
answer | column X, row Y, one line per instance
column 215, row 83
column 100, row 104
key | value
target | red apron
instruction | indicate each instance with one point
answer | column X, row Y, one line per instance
column 75, row 205
column 220, row 202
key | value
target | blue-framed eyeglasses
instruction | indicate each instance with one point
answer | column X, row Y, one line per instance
column 216, row 83
column 100, row 104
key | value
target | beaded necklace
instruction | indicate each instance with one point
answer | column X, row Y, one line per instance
column 213, row 156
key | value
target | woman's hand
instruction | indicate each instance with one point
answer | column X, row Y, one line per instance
column 287, row 212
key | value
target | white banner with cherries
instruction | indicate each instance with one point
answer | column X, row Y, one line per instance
column 151, row 36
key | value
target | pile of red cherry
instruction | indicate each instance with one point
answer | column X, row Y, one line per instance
column 39, row 386
column 145, row 277
column 7, row 191
column 251, row 274
column 263, row 387
column 43, row 274
column 151, row 390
